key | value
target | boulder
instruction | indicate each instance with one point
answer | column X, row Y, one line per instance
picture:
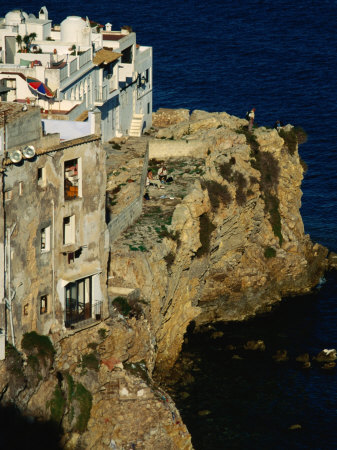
column 304, row 358
column 327, row 355
column 255, row 345
column 281, row 356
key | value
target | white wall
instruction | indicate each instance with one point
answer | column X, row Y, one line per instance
column 69, row 129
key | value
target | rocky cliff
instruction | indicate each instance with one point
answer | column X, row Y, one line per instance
column 231, row 242
column 224, row 241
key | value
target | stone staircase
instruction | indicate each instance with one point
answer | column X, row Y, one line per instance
column 136, row 125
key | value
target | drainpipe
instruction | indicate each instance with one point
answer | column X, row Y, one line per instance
column 3, row 275
column 53, row 259
column 10, row 293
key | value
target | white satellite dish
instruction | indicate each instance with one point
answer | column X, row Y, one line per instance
column 15, row 156
column 28, row 152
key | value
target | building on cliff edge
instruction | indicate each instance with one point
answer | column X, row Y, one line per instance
column 73, row 68
column 53, row 235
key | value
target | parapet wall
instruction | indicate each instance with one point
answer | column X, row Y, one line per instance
column 162, row 149
column 131, row 212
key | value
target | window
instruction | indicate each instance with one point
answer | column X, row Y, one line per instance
column 8, row 195
column 43, row 304
column 45, row 240
column 147, row 75
column 127, row 55
column 148, row 108
column 69, row 230
column 72, row 179
column 21, row 188
column 78, row 300
column 41, row 176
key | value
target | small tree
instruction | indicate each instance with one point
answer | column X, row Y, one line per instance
column 19, row 41
column 26, row 41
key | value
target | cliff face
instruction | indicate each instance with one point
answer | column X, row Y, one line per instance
column 235, row 243
column 223, row 242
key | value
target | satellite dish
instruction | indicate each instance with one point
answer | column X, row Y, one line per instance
column 15, row 156
column 28, row 152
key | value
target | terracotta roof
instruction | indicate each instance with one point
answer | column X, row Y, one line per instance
column 105, row 57
column 113, row 37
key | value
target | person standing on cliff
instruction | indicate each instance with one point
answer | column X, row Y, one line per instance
column 251, row 117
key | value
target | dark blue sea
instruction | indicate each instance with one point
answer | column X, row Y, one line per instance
column 279, row 57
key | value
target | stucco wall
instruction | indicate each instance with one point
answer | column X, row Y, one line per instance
column 25, row 129
column 131, row 212
column 163, row 149
column 34, row 209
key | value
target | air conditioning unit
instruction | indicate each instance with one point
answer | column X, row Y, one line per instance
column 28, row 152
column 15, row 156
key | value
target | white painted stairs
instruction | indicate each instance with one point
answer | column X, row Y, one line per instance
column 136, row 125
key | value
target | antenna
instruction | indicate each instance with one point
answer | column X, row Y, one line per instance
column 15, row 156
column 28, row 152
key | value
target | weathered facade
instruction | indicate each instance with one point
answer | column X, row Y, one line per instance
column 53, row 234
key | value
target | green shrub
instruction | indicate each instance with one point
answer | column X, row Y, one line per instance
column 206, row 230
column 239, row 180
column 122, row 305
column 102, row 333
column 57, row 405
column 217, row 193
column 33, row 342
column 269, row 252
column 93, row 345
column 71, row 385
column 292, row 138
column 225, row 170
column 304, row 165
column 301, row 135
column 253, row 180
column 33, row 362
column 14, row 361
column 90, row 361
column 83, row 398
column 241, row 197
column 272, row 206
column 169, row 259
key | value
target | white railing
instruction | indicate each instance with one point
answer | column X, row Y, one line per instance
column 85, row 57
column 64, row 73
column 73, row 66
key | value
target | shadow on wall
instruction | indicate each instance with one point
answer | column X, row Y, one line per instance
column 17, row 431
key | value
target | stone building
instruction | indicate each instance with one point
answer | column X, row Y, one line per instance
column 52, row 232
column 80, row 65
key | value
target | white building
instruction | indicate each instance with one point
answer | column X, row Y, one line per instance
column 84, row 64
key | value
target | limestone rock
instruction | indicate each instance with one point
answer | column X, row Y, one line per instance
column 165, row 117
column 281, row 356
column 255, row 345
column 327, row 355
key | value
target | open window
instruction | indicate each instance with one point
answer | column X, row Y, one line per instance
column 8, row 195
column 69, row 230
column 43, row 304
column 72, row 179
column 45, row 240
column 41, row 177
